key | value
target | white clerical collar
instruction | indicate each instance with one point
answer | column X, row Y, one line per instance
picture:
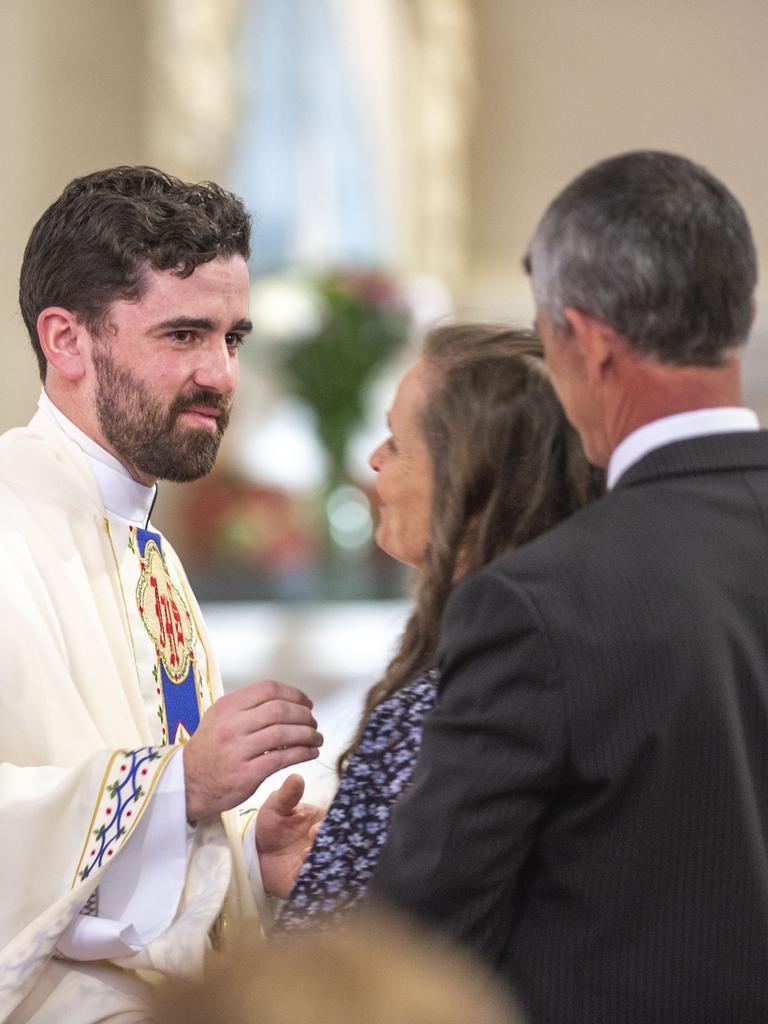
column 123, row 497
column 680, row 427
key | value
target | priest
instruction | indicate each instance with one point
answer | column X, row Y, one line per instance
column 120, row 855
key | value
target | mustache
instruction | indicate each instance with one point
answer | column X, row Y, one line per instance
column 211, row 399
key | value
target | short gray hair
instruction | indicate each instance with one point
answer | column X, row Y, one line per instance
column 657, row 248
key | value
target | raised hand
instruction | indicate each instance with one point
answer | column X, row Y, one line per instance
column 285, row 830
column 242, row 739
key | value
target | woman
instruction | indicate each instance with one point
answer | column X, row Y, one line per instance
column 480, row 459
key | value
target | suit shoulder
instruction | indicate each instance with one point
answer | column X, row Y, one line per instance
column 573, row 541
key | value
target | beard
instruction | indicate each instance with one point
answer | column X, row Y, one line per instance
column 146, row 433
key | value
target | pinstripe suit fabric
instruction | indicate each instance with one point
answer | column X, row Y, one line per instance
column 589, row 808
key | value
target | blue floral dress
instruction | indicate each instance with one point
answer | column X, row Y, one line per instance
column 339, row 866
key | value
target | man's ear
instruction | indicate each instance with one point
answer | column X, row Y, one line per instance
column 63, row 339
column 596, row 342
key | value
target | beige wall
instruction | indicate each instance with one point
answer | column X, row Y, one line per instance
column 563, row 83
column 71, row 82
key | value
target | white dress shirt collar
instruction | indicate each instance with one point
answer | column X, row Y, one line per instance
column 680, row 427
column 124, row 498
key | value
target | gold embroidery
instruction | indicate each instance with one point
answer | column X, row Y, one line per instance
column 160, row 760
column 128, row 630
column 165, row 615
column 248, row 814
column 209, row 688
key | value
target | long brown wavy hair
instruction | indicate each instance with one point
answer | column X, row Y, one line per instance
column 506, row 467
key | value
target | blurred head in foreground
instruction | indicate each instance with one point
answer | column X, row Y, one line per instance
column 374, row 970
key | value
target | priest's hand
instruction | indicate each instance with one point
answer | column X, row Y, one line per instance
column 242, row 739
column 285, row 830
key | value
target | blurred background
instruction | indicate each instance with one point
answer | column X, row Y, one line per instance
column 396, row 155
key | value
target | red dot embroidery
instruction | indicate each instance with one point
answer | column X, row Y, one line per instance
column 109, row 810
column 143, row 771
column 109, row 853
column 123, row 767
column 129, row 813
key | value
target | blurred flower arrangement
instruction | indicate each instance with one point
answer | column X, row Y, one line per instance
column 324, row 338
column 329, row 335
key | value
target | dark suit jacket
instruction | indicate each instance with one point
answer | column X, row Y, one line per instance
column 590, row 805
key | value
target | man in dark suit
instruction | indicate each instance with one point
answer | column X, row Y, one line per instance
column 590, row 805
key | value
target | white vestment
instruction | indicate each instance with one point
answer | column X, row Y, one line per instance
column 106, row 666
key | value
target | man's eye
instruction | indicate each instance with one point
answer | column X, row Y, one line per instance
column 235, row 340
column 390, row 445
column 181, row 335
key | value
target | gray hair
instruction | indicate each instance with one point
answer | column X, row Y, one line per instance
column 657, row 248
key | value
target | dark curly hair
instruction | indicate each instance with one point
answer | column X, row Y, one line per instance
column 93, row 245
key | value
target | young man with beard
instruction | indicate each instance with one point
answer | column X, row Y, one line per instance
column 117, row 851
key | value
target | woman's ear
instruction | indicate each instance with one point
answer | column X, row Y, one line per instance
column 63, row 339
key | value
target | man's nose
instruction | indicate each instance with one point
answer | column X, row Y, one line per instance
column 218, row 368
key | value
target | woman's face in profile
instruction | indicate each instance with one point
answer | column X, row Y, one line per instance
column 404, row 472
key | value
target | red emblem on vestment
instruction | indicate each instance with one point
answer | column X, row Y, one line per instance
column 164, row 615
